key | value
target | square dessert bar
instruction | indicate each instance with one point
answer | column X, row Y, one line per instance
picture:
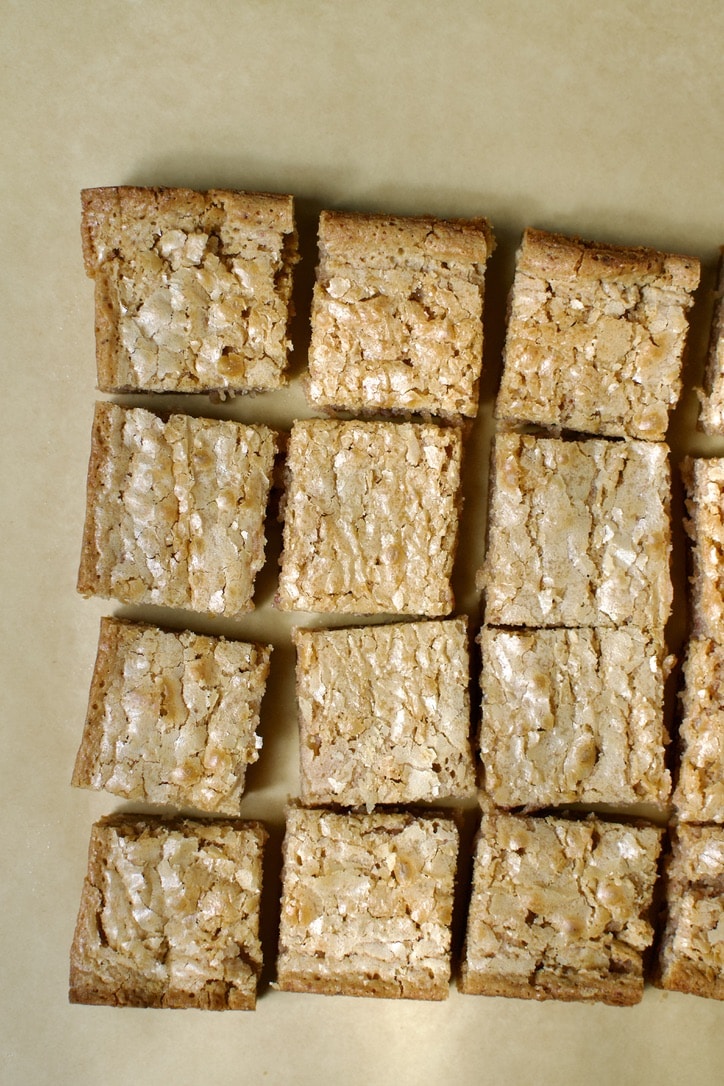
column 699, row 792
column 595, row 336
column 573, row 716
column 384, row 713
column 192, row 289
column 172, row 717
column 397, row 314
column 691, row 956
column 704, row 482
column 711, row 418
column 579, row 533
column 559, row 909
column 367, row 904
column 371, row 517
column 175, row 510
column 169, row 915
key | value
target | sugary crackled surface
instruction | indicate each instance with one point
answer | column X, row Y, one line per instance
column 397, row 314
column 692, row 948
column 699, row 793
column 579, row 533
column 595, row 336
column 384, row 713
column 371, row 517
column 192, row 288
column 367, row 904
column 573, row 716
column 169, row 915
column 711, row 417
column 176, row 510
column 559, row 909
column 704, row 480
column 172, row 717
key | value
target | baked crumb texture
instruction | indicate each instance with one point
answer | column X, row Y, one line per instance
column 371, row 517
column 176, row 509
column 560, row 909
column 711, row 418
column 367, row 904
column 172, row 717
column 579, row 533
column 384, row 713
column 169, row 915
column 704, row 481
column 397, row 314
column 573, row 716
column 699, row 793
column 595, row 337
column 192, row 289
column 691, row 957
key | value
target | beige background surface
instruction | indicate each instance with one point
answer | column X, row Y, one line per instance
column 599, row 119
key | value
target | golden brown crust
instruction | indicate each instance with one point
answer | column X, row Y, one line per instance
column 574, row 716
column 172, row 717
column 711, row 419
column 371, row 518
column 579, row 533
column 169, row 915
column 104, row 210
column 699, row 793
column 691, row 954
column 616, row 991
column 595, row 337
column 397, row 315
column 193, row 289
column 384, row 713
column 554, row 256
column 161, row 527
column 381, row 240
column 704, row 483
column 367, row 903
column 559, row 909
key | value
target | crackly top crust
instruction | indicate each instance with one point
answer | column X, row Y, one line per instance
column 367, row 903
column 554, row 256
column 704, row 482
column 192, row 288
column 176, row 510
column 371, row 515
column 559, row 909
column 384, row 713
column 397, row 314
column 711, row 418
column 172, row 717
column 691, row 956
column 579, row 533
column 595, row 336
column 169, row 914
column 573, row 716
column 699, row 794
